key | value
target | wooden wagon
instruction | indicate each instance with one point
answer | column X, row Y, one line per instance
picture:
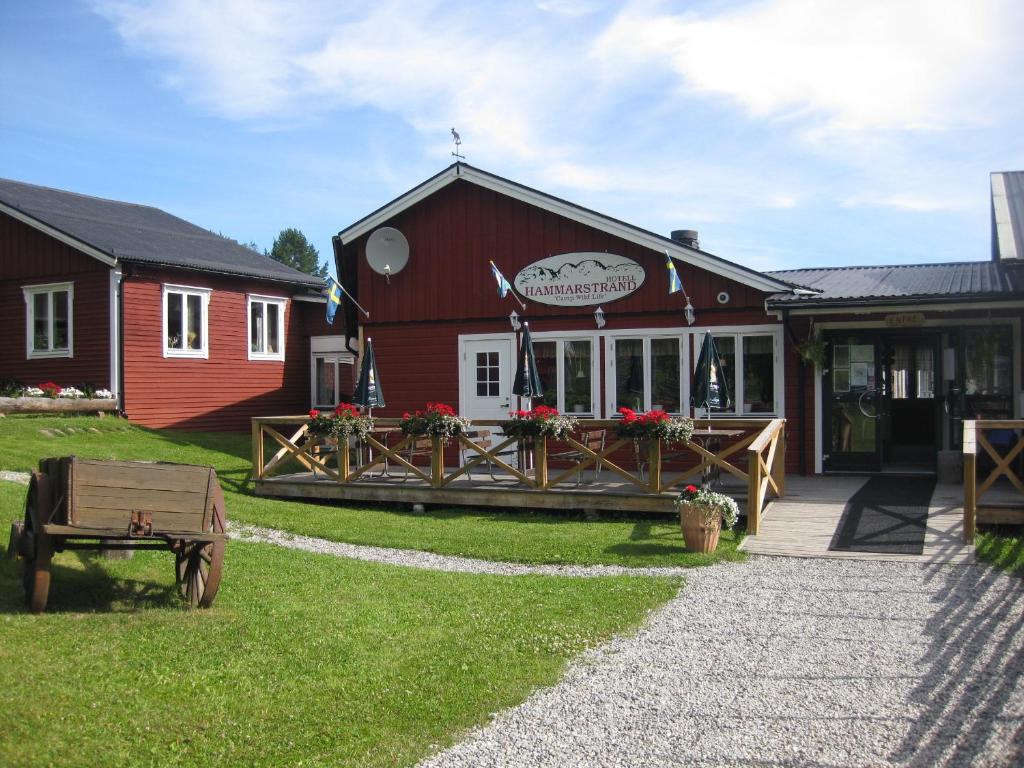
column 78, row 503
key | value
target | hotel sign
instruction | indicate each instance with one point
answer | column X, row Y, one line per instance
column 905, row 320
column 579, row 279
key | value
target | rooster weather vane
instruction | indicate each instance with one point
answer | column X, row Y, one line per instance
column 458, row 142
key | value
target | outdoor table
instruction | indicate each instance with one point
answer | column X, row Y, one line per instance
column 710, row 440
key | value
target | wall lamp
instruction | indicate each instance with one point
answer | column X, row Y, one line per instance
column 688, row 312
column 599, row 317
column 513, row 318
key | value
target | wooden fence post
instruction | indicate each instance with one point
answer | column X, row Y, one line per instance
column 753, row 492
column 779, row 465
column 970, row 481
column 436, row 461
column 344, row 459
column 540, row 456
column 257, row 450
column 654, row 465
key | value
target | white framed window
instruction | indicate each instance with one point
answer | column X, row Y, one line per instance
column 49, row 328
column 646, row 372
column 331, row 369
column 752, row 367
column 568, row 368
column 266, row 327
column 186, row 321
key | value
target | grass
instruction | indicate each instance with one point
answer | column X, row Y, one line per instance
column 1002, row 549
column 486, row 534
column 304, row 659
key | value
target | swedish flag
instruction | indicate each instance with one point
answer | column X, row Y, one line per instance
column 333, row 299
column 674, row 283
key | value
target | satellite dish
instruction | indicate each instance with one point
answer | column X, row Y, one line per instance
column 387, row 251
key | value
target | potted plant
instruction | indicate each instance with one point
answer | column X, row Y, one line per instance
column 344, row 421
column 437, row 420
column 538, row 421
column 812, row 350
column 654, row 425
column 702, row 513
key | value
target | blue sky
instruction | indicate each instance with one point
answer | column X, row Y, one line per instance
column 791, row 133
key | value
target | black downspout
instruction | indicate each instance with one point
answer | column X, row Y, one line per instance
column 120, row 345
column 801, row 440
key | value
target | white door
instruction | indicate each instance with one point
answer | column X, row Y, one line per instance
column 486, row 378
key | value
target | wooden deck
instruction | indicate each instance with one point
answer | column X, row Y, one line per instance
column 804, row 522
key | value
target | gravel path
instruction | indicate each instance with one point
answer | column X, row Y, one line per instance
column 790, row 662
column 415, row 559
column 15, row 477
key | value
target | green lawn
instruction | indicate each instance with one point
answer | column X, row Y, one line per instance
column 1001, row 549
column 303, row 659
column 488, row 534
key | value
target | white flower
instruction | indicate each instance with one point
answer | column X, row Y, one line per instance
column 33, row 392
column 104, row 394
column 71, row 392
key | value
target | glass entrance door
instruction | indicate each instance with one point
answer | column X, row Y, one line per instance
column 853, row 404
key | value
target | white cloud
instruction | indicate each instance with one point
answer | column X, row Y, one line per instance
column 871, row 64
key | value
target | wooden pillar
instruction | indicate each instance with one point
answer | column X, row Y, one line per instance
column 753, row 492
column 970, row 496
column 540, row 456
column 654, row 465
column 779, row 464
column 436, row 461
column 344, row 458
column 257, row 450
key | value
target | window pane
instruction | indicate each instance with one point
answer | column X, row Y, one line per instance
column 925, row 373
column 547, row 367
column 256, row 326
column 273, row 329
column 577, row 364
column 629, row 374
column 758, row 375
column 41, row 322
column 988, row 355
column 195, row 322
column 665, row 375
column 326, row 375
column 174, row 339
column 727, row 353
column 60, row 320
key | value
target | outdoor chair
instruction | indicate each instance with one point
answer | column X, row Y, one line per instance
column 594, row 440
column 483, row 438
column 418, row 448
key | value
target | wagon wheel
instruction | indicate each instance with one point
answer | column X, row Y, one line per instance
column 198, row 564
column 37, row 545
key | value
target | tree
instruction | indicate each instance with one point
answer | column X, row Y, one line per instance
column 291, row 248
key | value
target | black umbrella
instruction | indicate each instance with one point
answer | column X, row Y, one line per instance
column 368, row 391
column 527, row 382
column 709, row 387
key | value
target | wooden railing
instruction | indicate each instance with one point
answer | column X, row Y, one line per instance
column 978, row 434
column 649, row 467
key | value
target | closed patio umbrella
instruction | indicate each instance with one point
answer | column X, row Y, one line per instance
column 368, row 392
column 527, row 382
column 709, row 388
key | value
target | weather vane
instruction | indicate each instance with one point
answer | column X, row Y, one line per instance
column 458, row 142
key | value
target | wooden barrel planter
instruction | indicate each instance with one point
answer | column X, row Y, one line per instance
column 697, row 535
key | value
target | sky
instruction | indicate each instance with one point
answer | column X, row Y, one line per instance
column 790, row 133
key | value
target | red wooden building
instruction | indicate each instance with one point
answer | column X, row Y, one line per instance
column 908, row 350
column 188, row 329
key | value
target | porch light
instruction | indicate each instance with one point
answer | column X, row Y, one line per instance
column 599, row 317
column 513, row 318
column 688, row 312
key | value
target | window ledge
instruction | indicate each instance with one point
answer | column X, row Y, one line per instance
column 39, row 355
column 192, row 355
column 257, row 357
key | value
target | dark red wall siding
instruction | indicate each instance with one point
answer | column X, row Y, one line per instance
column 226, row 390
column 455, row 232
column 29, row 257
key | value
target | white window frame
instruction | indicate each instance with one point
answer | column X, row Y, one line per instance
column 185, row 291
column 282, row 305
column 30, row 292
column 645, row 336
column 560, row 337
column 738, row 333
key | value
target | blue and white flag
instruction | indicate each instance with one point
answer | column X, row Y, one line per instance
column 504, row 286
column 674, row 283
column 333, row 299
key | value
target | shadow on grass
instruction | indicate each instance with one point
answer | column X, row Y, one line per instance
column 89, row 589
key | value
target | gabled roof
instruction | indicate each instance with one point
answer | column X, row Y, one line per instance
column 643, row 237
column 1008, row 215
column 837, row 286
column 113, row 232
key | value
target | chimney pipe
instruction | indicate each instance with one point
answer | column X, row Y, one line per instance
column 687, row 237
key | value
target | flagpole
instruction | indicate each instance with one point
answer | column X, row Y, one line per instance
column 511, row 289
column 351, row 298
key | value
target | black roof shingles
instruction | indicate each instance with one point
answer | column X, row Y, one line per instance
column 143, row 234
column 890, row 284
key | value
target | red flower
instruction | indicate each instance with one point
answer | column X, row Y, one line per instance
column 312, row 414
column 691, row 488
